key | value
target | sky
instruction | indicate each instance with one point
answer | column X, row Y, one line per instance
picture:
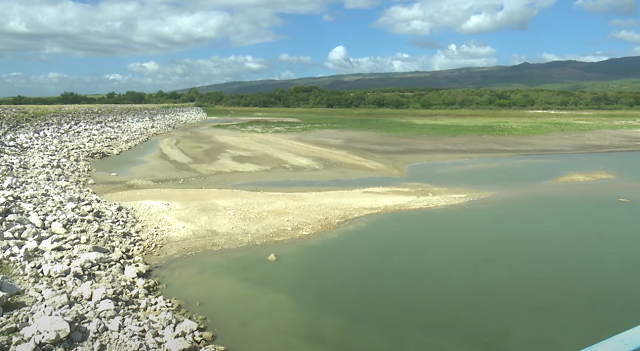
column 97, row 46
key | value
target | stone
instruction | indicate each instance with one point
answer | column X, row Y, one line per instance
column 45, row 324
column 98, row 294
column 97, row 326
column 186, row 327
column 114, row 325
column 133, row 271
column 29, row 346
column 207, row 336
column 57, row 270
column 4, row 297
column 86, row 291
column 58, row 228
column 76, row 336
column 49, row 245
column 179, row 344
column 8, row 287
column 105, row 305
column 272, row 257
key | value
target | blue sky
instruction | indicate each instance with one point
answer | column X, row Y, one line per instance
column 97, row 46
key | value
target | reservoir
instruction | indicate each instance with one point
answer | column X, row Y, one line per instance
column 536, row 266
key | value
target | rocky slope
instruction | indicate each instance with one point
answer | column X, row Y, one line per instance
column 72, row 273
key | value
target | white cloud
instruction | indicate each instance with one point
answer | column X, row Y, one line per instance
column 339, row 61
column 618, row 7
column 470, row 54
column 144, row 76
column 136, row 27
column 627, row 36
column 288, row 74
column 467, row 55
column 199, row 72
column 465, row 16
column 302, row 60
column 625, row 23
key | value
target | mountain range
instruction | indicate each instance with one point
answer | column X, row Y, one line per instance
column 567, row 74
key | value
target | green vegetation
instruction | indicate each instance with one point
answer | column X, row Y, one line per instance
column 130, row 97
column 431, row 122
column 384, row 98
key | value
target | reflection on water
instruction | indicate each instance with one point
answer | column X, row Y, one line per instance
column 538, row 266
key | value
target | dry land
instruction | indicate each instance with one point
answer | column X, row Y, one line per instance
column 186, row 187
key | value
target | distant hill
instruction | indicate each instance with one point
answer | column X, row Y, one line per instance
column 570, row 75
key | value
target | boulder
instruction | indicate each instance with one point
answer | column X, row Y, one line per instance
column 186, row 327
column 48, row 324
column 272, row 257
column 8, row 287
column 133, row 271
column 58, row 228
column 179, row 344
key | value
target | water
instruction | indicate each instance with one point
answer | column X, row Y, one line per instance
column 125, row 161
column 538, row 266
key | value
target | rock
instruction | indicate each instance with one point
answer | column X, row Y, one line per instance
column 58, row 228
column 76, row 336
column 98, row 294
column 49, row 245
column 132, row 272
column 85, row 290
column 58, row 270
column 272, row 257
column 105, row 305
column 207, row 336
column 114, row 325
column 69, row 247
column 8, row 287
column 54, row 324
column 114, row 174
column 29, row 346
column 4, row 297
column 179, row 344
column 186, row 327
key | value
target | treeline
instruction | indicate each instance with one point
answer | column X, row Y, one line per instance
column 130, row 97
column 402, row 98
column 314, row 97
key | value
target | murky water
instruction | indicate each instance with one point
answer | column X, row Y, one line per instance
column 538, row 266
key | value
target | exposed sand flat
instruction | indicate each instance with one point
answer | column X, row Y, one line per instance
column 583, row 177
column 211, row 219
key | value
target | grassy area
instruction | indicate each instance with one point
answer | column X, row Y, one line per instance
column 428, row 122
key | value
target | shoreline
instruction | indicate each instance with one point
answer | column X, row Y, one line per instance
column 73, row 276
column 189, row 221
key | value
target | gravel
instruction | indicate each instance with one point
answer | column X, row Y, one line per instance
column 72, row 274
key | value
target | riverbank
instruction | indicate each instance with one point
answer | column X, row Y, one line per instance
column 73, row 276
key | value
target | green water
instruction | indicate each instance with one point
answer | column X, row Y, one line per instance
column 125, row 161
column 538, row 266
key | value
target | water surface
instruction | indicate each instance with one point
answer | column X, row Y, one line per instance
column 538, row 266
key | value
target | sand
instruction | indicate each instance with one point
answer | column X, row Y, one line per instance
column 186, row 189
